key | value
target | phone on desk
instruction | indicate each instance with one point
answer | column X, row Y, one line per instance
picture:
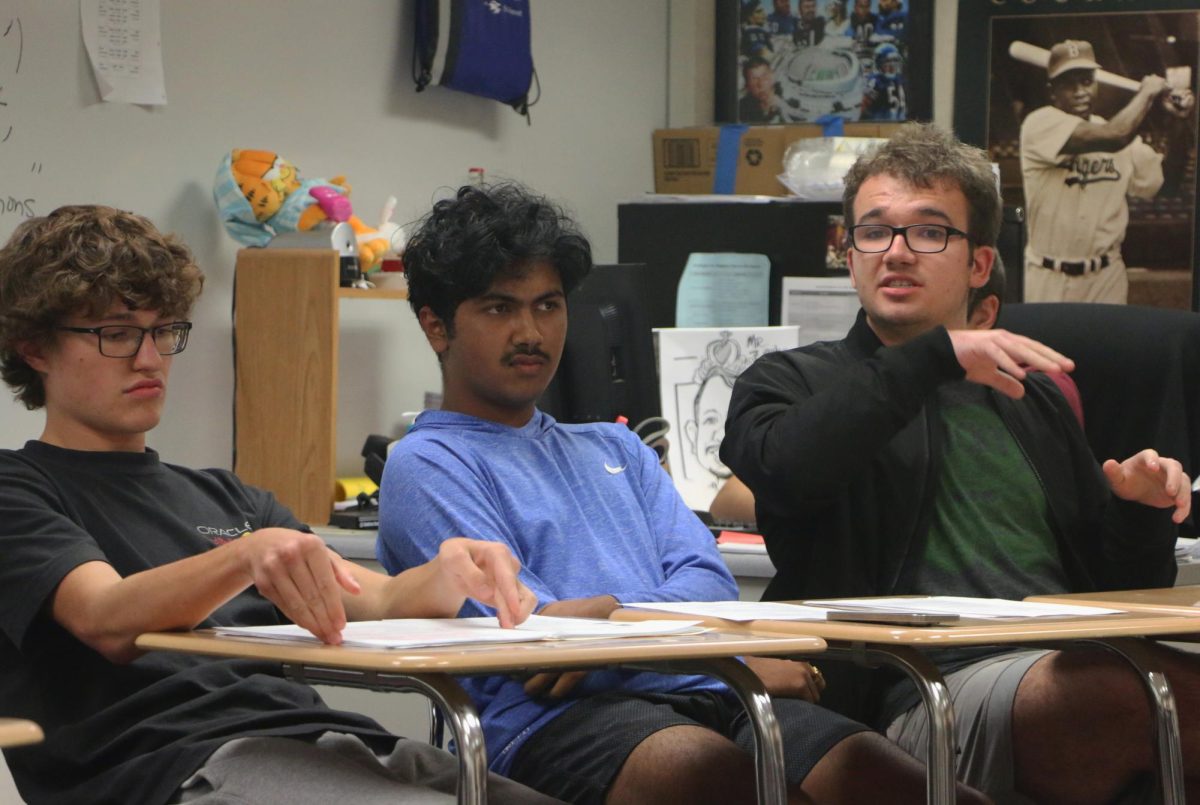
column 895, row 618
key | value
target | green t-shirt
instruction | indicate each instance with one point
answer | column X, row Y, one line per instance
column 990, row 534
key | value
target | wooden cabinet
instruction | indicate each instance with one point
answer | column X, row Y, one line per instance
column 286, row 308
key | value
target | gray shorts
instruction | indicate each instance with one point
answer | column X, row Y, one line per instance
column 982, row 695
column 336, row 768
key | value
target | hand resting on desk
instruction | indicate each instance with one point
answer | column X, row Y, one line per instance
column 320, row 591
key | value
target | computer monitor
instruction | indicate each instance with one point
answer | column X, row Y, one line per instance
column 608, row 367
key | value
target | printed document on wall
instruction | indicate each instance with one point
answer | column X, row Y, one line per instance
column 124, row 43
column 723, row 290
column 824, row 308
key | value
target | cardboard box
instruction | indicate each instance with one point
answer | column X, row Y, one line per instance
column 733, row 159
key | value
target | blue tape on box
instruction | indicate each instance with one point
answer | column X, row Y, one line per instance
column 832, row 125
column 728, row 147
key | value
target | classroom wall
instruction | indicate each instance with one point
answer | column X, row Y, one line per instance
column 328, row 85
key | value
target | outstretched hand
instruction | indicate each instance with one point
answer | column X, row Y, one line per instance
column 1000, row 359
column 487, row 571
column 1153, row 480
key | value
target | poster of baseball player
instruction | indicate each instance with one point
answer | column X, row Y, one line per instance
column 1093, row 120
column 799, row 61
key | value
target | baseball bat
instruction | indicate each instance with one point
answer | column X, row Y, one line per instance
column 1040, row 57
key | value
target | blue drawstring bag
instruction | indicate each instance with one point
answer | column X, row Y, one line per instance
column 477, row 46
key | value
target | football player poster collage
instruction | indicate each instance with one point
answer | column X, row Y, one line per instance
column 801, row 60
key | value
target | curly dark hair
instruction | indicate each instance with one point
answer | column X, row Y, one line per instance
column 465, row 243
column 81, row 261
column 922, row 154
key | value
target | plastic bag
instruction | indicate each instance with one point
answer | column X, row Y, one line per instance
column 813, row 168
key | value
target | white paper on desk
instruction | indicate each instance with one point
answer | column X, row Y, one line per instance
column 724, row 290
column 985, row 608
column 737, row 610
column 402, row 633
column 124, row 43
column 824, row 308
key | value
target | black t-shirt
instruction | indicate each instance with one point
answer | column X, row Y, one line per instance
column 130, row 733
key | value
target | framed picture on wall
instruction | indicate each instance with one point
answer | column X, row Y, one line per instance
column 1103, row 197
column 797, row 61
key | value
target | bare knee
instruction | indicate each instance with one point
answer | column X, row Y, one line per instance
column 685, row 764
column 1081, row 728
column 857, row 768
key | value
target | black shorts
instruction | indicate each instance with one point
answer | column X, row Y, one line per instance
column 577, row 756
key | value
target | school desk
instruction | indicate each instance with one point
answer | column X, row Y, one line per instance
column 431, row 670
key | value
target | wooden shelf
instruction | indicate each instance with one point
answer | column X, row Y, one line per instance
column 371, row 293
column 286, row 333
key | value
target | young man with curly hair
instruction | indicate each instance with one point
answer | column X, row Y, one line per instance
column 103, row 541
column 595, row 522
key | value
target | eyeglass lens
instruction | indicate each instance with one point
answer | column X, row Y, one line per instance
column 919, row 237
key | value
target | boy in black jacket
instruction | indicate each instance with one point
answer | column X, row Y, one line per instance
column 917, row 456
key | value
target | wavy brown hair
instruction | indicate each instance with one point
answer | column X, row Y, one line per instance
column 81, row 261
column 922, row 155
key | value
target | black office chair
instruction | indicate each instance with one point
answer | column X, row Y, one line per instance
column 1138, row 372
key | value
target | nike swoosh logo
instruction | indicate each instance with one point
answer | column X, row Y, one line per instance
column 613, row 470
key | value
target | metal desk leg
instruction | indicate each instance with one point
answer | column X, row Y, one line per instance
column 770, row 772
column 1168, row 746
column 450, row 698
column 437, row 726
column 939, row 771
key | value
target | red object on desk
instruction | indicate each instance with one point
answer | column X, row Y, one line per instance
column 739, row 538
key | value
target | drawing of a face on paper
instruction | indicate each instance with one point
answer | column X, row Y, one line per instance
column 713, row 387
column 697, row 370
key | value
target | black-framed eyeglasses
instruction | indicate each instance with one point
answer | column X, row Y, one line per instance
column 124, row 340
column 922, row 238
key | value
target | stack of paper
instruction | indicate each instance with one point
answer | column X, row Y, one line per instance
column 737, row 610
column 403, row 633
column 984, row 608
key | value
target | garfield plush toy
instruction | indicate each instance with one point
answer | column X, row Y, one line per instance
column 259, row 195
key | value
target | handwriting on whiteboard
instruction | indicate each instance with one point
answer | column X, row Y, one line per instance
column 12, row 49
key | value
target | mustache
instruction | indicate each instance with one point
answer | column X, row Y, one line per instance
column 527, row 351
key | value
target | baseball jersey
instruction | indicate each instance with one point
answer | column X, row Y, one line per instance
column 1076, row 202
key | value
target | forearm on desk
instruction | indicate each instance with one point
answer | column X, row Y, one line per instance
column 108, row 612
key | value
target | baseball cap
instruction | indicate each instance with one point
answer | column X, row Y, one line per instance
column 1073, row 54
